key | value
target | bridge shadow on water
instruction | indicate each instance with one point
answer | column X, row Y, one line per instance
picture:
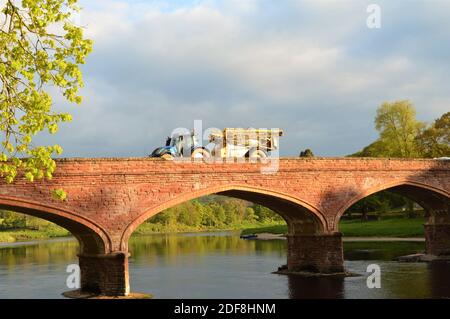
column 301, row 287
column 440, row 279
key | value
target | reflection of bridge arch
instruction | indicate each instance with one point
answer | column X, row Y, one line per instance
column 301, row 217
column 92, row 238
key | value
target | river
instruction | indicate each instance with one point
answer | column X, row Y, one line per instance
column 221, row 265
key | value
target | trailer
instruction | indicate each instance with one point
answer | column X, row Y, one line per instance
column 239, row 142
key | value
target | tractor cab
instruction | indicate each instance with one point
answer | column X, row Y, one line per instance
column 180, row 145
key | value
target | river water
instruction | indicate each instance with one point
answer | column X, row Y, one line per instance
column 221, row 265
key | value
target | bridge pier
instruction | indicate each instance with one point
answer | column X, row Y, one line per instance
column 318, row 253
column 437, row 239
column 104, row 274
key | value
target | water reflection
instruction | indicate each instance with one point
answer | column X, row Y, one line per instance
column 315, row 287
column 221, row 265
column 440, row 279
column 381, row 250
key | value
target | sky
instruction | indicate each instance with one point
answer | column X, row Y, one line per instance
column 312, row 68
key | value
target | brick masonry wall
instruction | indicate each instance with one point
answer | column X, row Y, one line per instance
column 437, row 238
column 315, row 253
column 105, row 274
column 113, row 196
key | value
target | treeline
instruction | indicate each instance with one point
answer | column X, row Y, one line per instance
column 12, row 220
column 384, row 204
column 208, row 213
column 15, row 227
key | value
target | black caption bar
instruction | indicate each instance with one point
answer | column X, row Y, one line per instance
column 216, row 308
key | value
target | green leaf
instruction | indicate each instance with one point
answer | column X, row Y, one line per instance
column 59, row 194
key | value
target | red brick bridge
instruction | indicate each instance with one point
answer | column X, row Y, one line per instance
column 109, row 198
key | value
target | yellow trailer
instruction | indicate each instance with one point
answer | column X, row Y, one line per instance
column 240, row 142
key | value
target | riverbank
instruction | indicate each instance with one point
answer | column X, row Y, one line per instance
column 386, row 228
column 270, row 236
column 395, row 227
column 19, row 235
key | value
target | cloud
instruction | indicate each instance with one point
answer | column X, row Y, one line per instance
column 310, row 67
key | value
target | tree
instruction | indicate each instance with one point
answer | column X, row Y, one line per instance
column 265, row 214
column 220, row 214
column 381, row 203
column 250, row 215
column 208, row 216
column 375, row 149
column 398, row 129
column 367, row 205
column 39, row 47
column 306, row 153
column 434, row 141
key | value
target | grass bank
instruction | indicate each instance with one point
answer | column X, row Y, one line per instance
column 15, row 235
column 394, row 227
column 156, row 228
column 10, row 236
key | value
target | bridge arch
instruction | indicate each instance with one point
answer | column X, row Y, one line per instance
column 91, row 237
column 301, row 216
column 434, row 200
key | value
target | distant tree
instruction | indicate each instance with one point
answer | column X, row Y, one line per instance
column 306, row 153
column 381, row 203
column 410, row 212
column 399, row 132
column 265, row 214
column 219, row 213
column 11, row 220
column 250, row 215
column 190, row 213
column 398, row 129
column 375, row 149
column 434, row 141
column 208, row 216
column 367, row 205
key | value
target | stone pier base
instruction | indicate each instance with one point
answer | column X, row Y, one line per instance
column 319, row 253
column 105, row 275
column 437, row 239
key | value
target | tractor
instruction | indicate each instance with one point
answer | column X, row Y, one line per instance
column 229, row 143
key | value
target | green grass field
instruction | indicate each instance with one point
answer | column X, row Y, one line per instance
column 394, row 227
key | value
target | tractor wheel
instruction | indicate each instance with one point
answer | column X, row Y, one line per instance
column 200, row 153
column 257, row 154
